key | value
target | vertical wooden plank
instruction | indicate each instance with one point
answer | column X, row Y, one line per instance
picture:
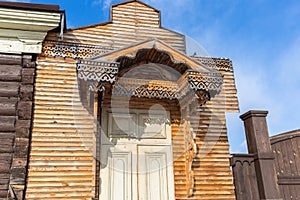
column 286, row 161
column 277, row 155
column 291, row 157
column 280, row 159
column 296, row 153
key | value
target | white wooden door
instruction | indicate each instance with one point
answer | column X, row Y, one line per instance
column 139, row 165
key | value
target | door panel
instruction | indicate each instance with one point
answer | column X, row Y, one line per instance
column 116, row 177
column 155, row 173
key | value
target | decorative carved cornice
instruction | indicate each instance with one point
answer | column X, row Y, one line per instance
column 97, row 71
column 205, row 85
column 72, row 50
column 146, row 88
column 203, row 81
column 207, row 81
column 220, row 64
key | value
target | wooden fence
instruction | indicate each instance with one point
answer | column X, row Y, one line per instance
column 271, row 169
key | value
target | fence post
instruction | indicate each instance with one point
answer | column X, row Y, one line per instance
column 259, row 144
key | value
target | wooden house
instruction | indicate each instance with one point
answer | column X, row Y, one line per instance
column 121, row 112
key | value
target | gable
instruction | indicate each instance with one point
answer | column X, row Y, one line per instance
column 135, row 13
column 130, row 22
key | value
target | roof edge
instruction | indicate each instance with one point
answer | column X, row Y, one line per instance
column 31, row 6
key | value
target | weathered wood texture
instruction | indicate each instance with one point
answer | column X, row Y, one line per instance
column 16, row 94
column 257, row 174
column 244, row 174
column 259, row 144
column 286, row 147
column 131, row 22
column 61, row 156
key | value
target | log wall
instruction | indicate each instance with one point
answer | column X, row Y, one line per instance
column 16, row 99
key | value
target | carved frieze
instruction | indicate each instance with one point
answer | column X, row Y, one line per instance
column 97, row 71
column 203, row 84
column 220, row 64
column 145, row 88
column 207, row 81
column 72, row 50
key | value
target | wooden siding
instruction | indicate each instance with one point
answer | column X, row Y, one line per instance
column 213, row 178
column 61, row 157
column 287, row 163
column 131, row 22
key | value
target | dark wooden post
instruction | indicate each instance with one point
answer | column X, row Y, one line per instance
column 259, row 144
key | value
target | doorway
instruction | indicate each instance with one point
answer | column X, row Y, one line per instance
column 136, row 161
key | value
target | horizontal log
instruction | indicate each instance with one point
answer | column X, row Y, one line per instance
column 10, row 72
column 3, row 194
column 3, row 187
column 7, row 123
column 9, row 89
column 6, row 149
column 5, row 165
column 7, row 141
column 10, row 59
column 8, row 106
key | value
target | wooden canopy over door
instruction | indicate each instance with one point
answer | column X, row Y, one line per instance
column 132, row 80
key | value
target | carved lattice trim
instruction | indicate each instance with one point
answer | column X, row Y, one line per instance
column 97, row 71
column 220, row 64
column 72, row 50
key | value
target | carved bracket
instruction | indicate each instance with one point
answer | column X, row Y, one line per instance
column 190, row 154
column 96, row 86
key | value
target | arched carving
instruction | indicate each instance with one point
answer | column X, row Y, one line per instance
column 152, row 55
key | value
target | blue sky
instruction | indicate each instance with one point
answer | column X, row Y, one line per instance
column 261, row 37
